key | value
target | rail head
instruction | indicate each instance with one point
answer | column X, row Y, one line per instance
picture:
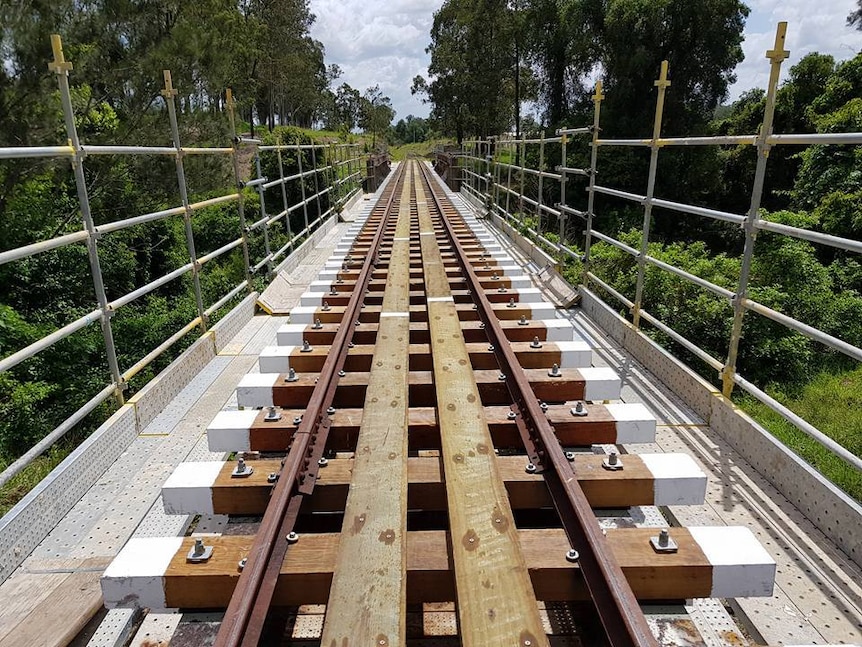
column 617, row 607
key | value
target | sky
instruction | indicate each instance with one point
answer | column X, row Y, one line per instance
column 382, row 42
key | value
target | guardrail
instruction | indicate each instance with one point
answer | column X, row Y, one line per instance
column 334, row 170
column 490, row 181
column 378, row 167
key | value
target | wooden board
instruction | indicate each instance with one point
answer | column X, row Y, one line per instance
column 633, row 485
column 306, row 573
column 368, row 597
column 496, row 602
column 52, row 602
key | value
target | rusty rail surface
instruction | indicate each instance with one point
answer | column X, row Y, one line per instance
column 250, row 604
column 618, row 610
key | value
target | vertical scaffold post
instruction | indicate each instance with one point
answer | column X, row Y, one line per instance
column 662, row 84
column 169, row 93
column 598, row 97
column 299, row 155
column 263, row 215
column 511, row 149
column 316, row 183
column 283, row 184
column 563, row 182
column 776, row 56
column 541, row 191
column 240, row 205
column 61, row 67
column 523, row 164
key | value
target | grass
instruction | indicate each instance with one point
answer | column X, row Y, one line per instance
column 417, row 149
column 832, row 402
column 20, row 485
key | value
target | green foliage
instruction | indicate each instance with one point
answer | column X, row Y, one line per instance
column 831, row 401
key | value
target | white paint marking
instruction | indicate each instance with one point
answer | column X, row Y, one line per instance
column 678, row 479
column 601, row 383
column 255, row 389
column 136, row 576
column 741, row 567
column 229, row 431
column 188, row 489
column 634, row 422
column 275, row 359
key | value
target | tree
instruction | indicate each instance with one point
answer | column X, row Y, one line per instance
column 376, row 113
column 473, row 67
column 855, row 18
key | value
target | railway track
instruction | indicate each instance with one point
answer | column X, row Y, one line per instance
column 421, row 436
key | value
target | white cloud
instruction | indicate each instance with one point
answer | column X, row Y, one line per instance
column 378, row 42
column 383, row 41
column 819, row 26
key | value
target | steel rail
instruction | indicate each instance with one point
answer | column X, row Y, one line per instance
column 250, row 603
column 618, row 610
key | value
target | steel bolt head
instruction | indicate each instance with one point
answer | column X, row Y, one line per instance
column 490, row 348
column 330, row 410
column 272, row 477
column 291, row 375
column 297, row 420
column 543, row 406
column 572, row 555
column 663, row 537
column 341, row 373
column 292, row 537
column 511, row 415
column 530, row 468
column 502, row 377
column 326, row 306
column 511, row 303
column 570, row 456
column 322, row 462
column 241, row 563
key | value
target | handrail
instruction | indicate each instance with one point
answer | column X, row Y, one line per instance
column 482, row 179
column 320, row 158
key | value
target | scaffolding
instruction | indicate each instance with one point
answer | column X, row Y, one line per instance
column 336, row 171
column 482, row 178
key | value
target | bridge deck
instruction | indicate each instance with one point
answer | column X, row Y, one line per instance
column 817, row 599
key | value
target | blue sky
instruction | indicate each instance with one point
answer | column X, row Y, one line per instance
column 383, row 41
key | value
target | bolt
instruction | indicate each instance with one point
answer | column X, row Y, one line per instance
column 272, row 478
column 330, row 410
column 291, row 375
column 338, row 278
column 306, row 347
column 322, row 462
column 572, row 555
column 481, row 325
column 297, row 420
column 570, row 456
column 272, row 415
column 502, row 377
column 543, row 406
column 579, row 409
column 356, row 323
column 240, row 465
column 494, row 277
column 490, row 348
column 199, row 547
column 241, row 563
column 612, row 459
column 341, row 373
column 501, row 289
column 475, row 306
column 511, row 303
column 535, row 343
column 523, row 321
column 530, row 469
column 333, row 291
column 555, row 371
column 326, row 307
column 292, row 537
column 511, row 415
column 663, row 537
column 316, row 325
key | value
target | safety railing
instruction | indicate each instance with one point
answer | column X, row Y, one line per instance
column 334, row 170
column 489, row 179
